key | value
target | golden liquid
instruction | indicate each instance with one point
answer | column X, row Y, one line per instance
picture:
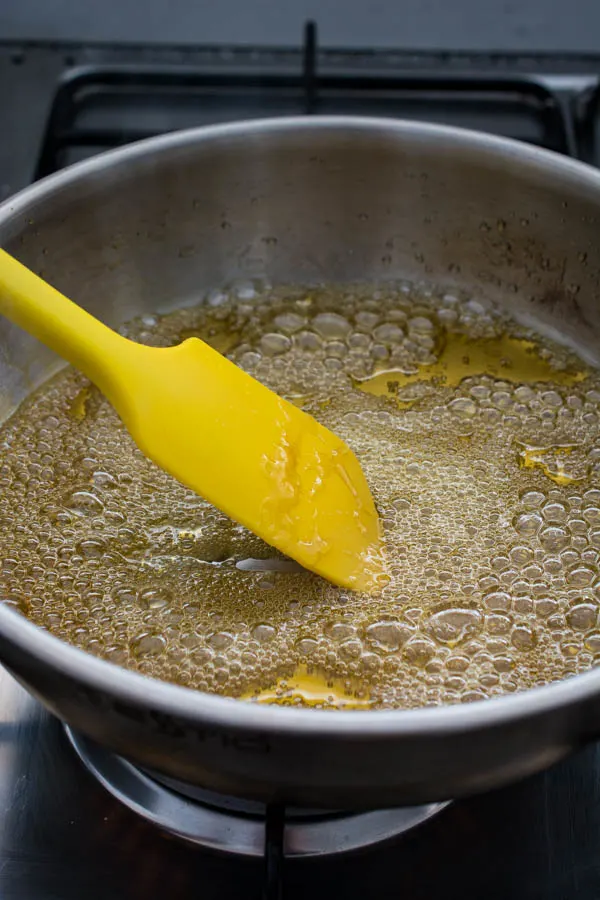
column 307, row 687
column 504, row 357
column 480, row 440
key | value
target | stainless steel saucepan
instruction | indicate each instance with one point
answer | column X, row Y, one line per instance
column 148, row 227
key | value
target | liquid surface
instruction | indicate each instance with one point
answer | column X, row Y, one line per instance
column 481, row 443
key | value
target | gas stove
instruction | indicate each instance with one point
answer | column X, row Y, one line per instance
column 79, row 822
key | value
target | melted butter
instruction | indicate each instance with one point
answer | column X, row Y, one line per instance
column 554, row 462
column 78, row 408
column 311, row 688
column 492, row 550
column 505, row 357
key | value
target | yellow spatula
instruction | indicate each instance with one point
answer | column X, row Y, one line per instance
column 265, row 463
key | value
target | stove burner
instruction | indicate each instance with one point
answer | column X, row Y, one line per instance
column 230, row 825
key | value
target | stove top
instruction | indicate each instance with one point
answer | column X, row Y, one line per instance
column 63, row 835
column 61, row 102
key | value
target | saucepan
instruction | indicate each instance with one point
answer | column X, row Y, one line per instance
column 306, row 200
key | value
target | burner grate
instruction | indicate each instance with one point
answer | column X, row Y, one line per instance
column 274, row 856
column 244, row 828
column 100, row 107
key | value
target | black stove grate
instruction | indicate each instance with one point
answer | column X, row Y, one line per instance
column 99, row 107
column 274, row 855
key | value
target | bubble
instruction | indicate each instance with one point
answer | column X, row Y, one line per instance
column 331, row 325
column 273, row 344
column 264, row 634
column 498, row 600
column 104, row 481
column 91, row 548
column 521, row 555
column 532, row 499
column 498, row 624
column 388, row 636
column 351, row 649
column 370, row 662
column 379, row 351
column 463, row 407
column 580, row 577
column 420, row 324
column 524, row 638
column 388, row 333
column 289, row 322
column 554, row 512
column 335, row 349
column 503, row 664
column 501, row 399
column 553, row 539
column 84, row 503
column 250, row 360
column 528, row 524
column 221, row 640
column 307, row 646
column 358, row 341
column 147, row 645
column 591, row 514
column 582, row 617
column 551, row 398
column 451, row 626
column 592, row 642
column 458, row 664
column 525, row 605
column 117, row 654
column 340, row 631
column 367, row 319
column 308, row 340
column 418, row 651
column 152, row 598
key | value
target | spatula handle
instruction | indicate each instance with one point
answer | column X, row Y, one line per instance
column 66, row 328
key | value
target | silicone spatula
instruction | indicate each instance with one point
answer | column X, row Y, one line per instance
column 249, row 452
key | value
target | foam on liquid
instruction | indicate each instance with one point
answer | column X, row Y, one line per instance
column 480, row 440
